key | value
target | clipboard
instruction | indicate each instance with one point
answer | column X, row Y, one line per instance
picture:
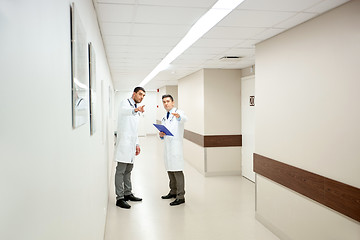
column 162, row 128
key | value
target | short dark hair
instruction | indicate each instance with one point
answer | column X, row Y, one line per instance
column 168, row 95
column 138, row 89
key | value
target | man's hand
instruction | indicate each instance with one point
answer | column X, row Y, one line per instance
column 140, row 109
column 176, row 115
column 162, row 134
column 137, row 150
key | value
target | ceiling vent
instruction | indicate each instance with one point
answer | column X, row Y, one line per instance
column 230, row 59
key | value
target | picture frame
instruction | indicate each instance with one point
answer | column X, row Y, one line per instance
column 92, row 88
column 79, row 72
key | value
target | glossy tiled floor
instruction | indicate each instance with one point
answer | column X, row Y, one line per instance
column 216, row 208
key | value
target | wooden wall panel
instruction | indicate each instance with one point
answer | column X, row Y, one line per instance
column 194, row 137
column 338, row 196
column 213, row 140
column 223, row 141
column 342, row 198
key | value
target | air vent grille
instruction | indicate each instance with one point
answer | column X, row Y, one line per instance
column 230, row 59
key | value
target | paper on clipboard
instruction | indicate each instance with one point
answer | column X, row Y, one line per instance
column 162, row 128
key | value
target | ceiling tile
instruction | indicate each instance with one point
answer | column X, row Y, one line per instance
column 254, row 19
column 326, row 5
column 116, row 13
column 118, row 1
column 116, row 28
column 278, row 5
column 203, row 51
column 189, row 60
column 160, row 30
column 133, row 75
column 295, row 20
column 138, row 49
column 133, row 61
column 116, row 40
column 212, row 42
column 138, row 34
column 222, row 32
column 154, row 41
column 240, row 52
column 168, row 15
column 139, row 41
column 182, row 3
column 268, row 33
column 249, row 43
column 132, row 55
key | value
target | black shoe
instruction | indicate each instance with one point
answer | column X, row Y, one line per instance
column 131, row 197
column 169, row 196
column 121, row 203
column 177, row 202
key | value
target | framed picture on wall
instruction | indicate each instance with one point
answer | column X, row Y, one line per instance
column 92, row 88
column 111, row 102
column 79, row 70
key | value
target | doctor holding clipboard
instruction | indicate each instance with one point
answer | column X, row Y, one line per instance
column 173, row 154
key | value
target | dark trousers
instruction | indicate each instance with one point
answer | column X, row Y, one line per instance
column 123, row 179
column 177, row 184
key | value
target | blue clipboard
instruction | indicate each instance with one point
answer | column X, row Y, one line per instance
column 162, row 128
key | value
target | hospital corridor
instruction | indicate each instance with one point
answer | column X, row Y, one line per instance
column 236, row 119
column 216, row 208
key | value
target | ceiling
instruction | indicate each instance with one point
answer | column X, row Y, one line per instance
column 138, row 34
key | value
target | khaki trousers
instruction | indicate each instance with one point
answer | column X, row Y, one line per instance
column 177, row 184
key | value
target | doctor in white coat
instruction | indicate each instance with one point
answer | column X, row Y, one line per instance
column 127, row 146
column 173, row 154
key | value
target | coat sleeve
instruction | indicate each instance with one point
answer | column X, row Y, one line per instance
column 183, row 117
column 125, row 109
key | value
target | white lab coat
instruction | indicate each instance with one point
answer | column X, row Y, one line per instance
column 127, row 132
column 173, row 154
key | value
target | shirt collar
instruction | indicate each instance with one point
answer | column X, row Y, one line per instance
column 172, row 110
column 132, row 101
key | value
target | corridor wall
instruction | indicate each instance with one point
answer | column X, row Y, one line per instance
column 307, row 116
column 211, row 100
column 53, row 178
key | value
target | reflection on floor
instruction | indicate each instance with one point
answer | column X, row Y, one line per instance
column 216, row 208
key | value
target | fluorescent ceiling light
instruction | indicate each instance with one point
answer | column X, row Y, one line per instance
column 220, row 10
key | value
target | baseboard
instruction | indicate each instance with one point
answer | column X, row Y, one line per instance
column 227, row 173
column 280, row 234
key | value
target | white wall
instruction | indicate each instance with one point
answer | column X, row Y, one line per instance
column 150, row 102
column 53, row 178
column 191, row 100
column 210, row 98
column 160, row 111
column 222, row 116
column 247, row 127
column 307, row 115
column 222, row 109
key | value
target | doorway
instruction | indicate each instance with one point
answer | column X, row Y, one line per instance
column 248, row 126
